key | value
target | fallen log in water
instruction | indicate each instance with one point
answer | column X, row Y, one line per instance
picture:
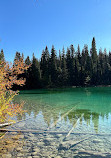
column 6, row 124
column 11, row 123
column 74, row 126
column 94, row 153
column 54, row 132
column 64, row 115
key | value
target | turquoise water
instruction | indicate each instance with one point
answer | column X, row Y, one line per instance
column 93, row 103
column 72, row 122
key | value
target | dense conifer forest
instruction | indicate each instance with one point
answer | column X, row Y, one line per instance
column 69, row 68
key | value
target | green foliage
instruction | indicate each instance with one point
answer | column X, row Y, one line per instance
column 73, row 68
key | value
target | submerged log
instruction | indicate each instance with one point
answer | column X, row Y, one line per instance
column 54, row 132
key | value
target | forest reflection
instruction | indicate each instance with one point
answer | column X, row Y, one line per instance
column 49, row 112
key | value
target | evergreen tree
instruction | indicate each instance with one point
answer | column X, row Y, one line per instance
column 28, row 73
column 88, row 65
column 110, row 58
column 101, row 65
column 72, row 67
column 109, row 67
column 78, row 54
column 60, row 59
column 35, row 73
column 94, row 59
column 2, row 56
column 53, row 67
column 68, row 63
column 27, row 61
column 64, row 69
column 94, row 51
column 106, row 68
column 77, row 66
column 82, row 69
column 59, row 70
column 44, row 66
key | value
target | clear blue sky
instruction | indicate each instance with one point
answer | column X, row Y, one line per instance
column 29, row 25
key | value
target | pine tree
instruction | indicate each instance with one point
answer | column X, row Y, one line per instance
column 109, row 67
column 75, row 68
column 28, row 73
column 68, row 63
column 94, row 51
column 44, row 66
column 27, row 61
column 59, row 70
column 87, row 65
column 110, row 58
column 101, row 63
column 2, row 56
column 94, row 59
column 53, row 67
column 35, row 73
column 60, row 59
column 64, row 69
column 82, row 69
column 99, row 73
column 72, row 67
column 76, row 72
column 106, row 68
column 78, row 54
column 87, row 60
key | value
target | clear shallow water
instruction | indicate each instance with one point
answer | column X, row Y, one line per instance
column 64, row 122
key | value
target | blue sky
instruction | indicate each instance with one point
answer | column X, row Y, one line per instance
column 29, row 25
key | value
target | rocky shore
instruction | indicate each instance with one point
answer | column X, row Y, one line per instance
column 33, row 145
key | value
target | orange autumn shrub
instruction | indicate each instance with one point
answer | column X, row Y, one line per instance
column 9, row 77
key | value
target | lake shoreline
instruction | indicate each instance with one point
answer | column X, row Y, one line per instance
column 65, row 87
column 57, row 119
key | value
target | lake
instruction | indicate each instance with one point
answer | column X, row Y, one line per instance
column 71, row 122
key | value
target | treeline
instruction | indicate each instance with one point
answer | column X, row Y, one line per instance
column 70, row 68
